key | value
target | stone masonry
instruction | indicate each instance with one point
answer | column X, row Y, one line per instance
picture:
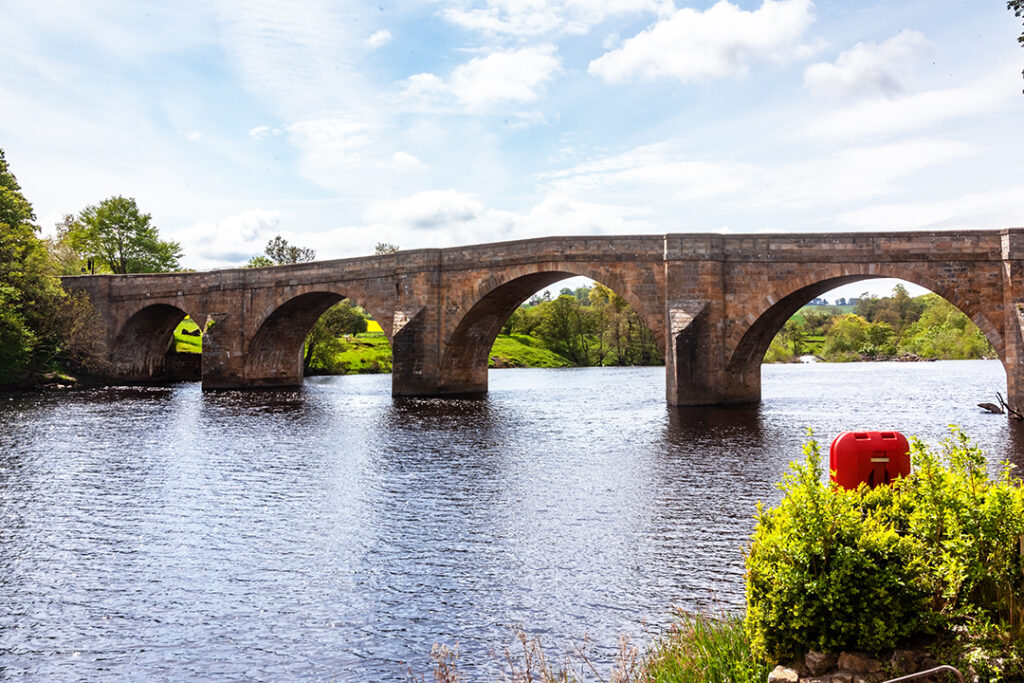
column 713, row 302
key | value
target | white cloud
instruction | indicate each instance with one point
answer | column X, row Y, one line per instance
column 405, row 161
column 300, row 63
column 521, row 120
column 542, row 17
column 855, row 173
column 330, row 147
column 660, row 170
column 341, row 154
column 511, row 76
column 379, row 39
column 869, row 68
column 328, row 136
column 192, row 135
column 231, row 241
column 428, row 210
column 998, row 208
column 720, row 42
column 560, row 214
column 440, row 218
column 916, row 112
column 665, row 179
column 260, row 132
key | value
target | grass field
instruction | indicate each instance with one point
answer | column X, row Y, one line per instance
column 846, row 308
column 523, row 351
column 359, row 354
column 370, row 352
column 186, row 343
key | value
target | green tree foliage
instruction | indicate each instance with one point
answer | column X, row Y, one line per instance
column 343, row 318
column 568, row 328
column 937, row 552
column 1017, row 7
column 40, row 325
column 886, row 327
column 626, row 340
column 944, row 331
column 66, row 259
column 788, row 344
column 383, row 248
column 120, row 239
column 280, row 252
column 259, row 262
column 846, row 336
column 588, row 326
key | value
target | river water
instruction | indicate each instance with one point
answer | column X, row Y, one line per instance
column 334, row 532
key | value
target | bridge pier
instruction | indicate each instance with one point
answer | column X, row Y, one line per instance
column 1013, row 324
column 696, row 357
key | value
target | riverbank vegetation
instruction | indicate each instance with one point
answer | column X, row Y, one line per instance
column 43, row 329
column 46, row 331
column 594, row 326
column 899, row 326
column 589, row 326
column 895, row 579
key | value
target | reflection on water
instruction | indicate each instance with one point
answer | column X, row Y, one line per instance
column 335, row 532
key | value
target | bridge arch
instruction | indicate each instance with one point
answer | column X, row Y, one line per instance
column 275, row 353
column 140, row 348
column 464, row 362
column 750, row 339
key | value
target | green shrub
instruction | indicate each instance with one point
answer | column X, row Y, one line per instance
column 823, row 575
column 969, row 531
column 939, row 552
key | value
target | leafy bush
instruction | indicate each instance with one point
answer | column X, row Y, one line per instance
column 823, row 575
column 940, row 552
column 969, row 530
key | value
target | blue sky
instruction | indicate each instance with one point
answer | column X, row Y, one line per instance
column 430, row 124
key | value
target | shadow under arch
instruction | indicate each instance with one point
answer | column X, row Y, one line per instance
column 143, row 350
column 464, row 362
column 275, row 353
column 744, row 366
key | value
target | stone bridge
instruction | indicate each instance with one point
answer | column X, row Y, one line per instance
column 713, row 302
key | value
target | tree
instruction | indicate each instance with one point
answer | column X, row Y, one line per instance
column 793, row 333
column 40, row 324
column 280, row 252
column 122, row 239
column 1017, row 7
column 66, row 258
column 384, row 248
column 259, row 262
column 340, row 319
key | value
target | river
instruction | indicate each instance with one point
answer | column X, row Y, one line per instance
column 334, row 532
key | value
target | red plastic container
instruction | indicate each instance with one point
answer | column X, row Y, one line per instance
column 869, row 457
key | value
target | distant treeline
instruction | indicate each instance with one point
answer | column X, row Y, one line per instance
column 589, row 326
column 594, row 326
column 881, row 328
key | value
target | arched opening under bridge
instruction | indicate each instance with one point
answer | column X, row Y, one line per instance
column 157, row 344
column 528, row 320
column 912, row 321
column 313, row 333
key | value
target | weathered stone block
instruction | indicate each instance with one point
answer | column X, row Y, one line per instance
column 783, row 674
